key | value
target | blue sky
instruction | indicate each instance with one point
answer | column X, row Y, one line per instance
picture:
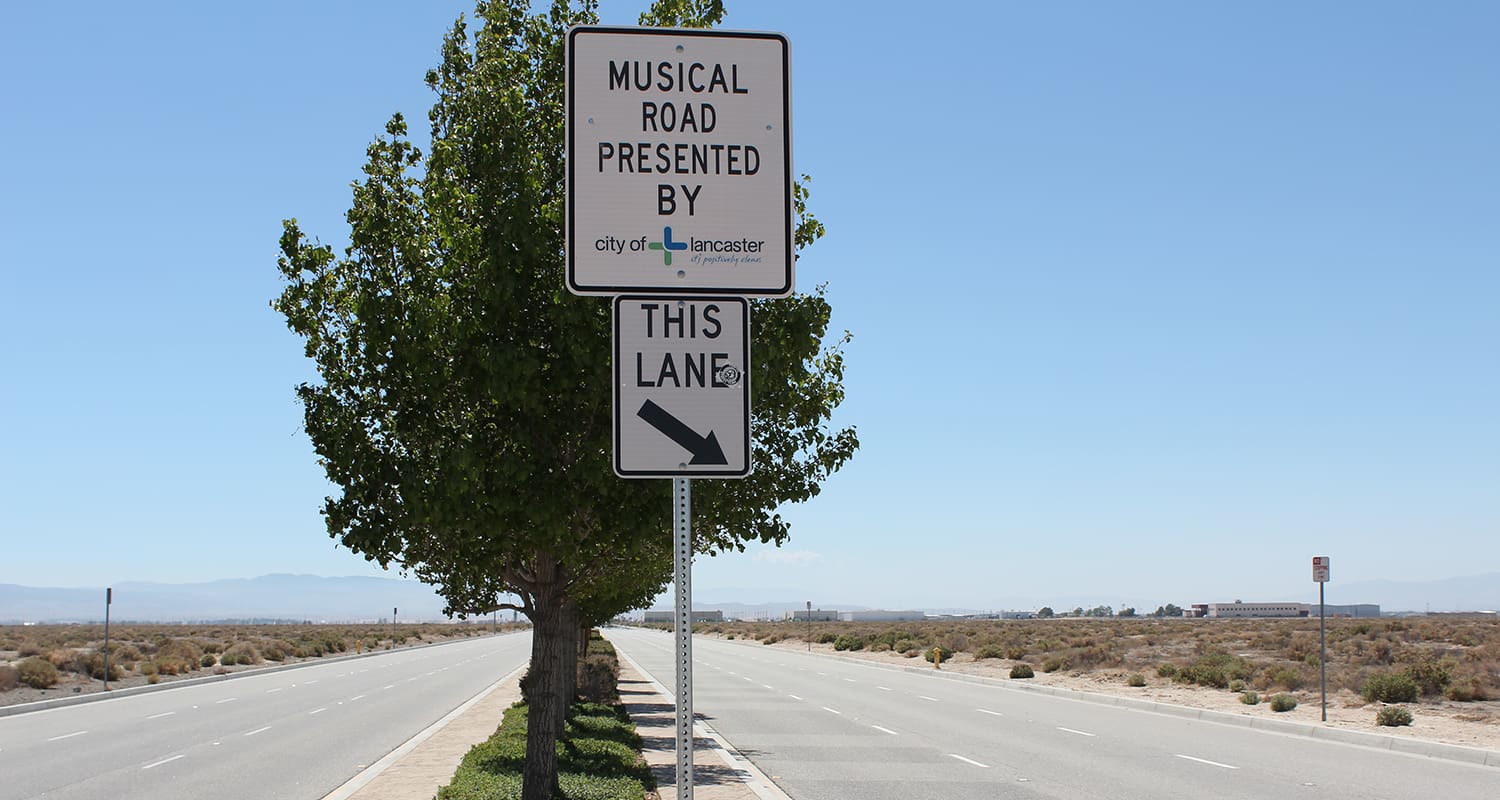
column 1152, row 302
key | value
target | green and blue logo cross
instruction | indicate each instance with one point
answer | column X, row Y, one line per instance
column 666, row 246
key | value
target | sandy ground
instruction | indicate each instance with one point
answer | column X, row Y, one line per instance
column 1470, row 724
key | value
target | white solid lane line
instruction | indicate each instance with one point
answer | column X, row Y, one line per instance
column 968, row 760
column 1206, row 761
column 258, row 730
column 163, row 761
column 67, row 736
column 1070, row 730
column 162, row 714
column 886, row 730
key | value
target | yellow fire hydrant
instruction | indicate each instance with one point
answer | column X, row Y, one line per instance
column 937, row 658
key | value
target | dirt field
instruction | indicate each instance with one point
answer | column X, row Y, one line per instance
column 1456, row 661
column 68, row 659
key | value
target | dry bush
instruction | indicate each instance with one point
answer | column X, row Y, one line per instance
column 9, row 678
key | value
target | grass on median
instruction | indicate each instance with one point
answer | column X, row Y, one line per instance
column 598, row 759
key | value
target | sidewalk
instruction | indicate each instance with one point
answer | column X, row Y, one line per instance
column 426, row 763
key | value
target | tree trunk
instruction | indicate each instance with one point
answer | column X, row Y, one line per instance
column 549, row 689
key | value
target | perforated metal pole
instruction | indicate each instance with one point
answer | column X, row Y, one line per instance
column 1322, row 652
column 682, row 548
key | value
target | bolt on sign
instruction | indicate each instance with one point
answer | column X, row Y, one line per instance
column 679, row 162
column 682, row 387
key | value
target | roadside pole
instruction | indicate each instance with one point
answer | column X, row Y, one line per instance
column 109, row 597
column 1320, row 575
column 809, row 626
column 682, row 569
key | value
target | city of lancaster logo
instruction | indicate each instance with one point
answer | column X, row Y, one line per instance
column 666, row 246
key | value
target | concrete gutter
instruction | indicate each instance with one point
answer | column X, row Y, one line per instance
column 1397, row 744
column 113, row 694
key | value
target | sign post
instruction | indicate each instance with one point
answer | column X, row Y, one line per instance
column 809, row 626
column 679, row 154
column 109, row 598
column 1320, row 574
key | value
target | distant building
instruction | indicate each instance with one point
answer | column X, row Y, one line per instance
column 881, row 615
column 1239, row 609
column 666, row 617
column 815, row 615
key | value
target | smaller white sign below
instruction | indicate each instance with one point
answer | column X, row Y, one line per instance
column 682, row 387
column 1320, row 569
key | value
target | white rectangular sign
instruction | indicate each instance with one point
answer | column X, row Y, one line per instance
column 679, row 162
column 1320, row 569
column 682, row 387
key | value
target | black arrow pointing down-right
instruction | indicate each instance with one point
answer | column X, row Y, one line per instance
column 705, row 449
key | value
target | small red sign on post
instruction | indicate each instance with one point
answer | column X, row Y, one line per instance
column 1320, row 569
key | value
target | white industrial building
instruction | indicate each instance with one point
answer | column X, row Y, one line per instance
column 881, row 615
column 815, row 615
column 666, row 617
column 1239, row 609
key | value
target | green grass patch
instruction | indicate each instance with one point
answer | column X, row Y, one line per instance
column 597, row 759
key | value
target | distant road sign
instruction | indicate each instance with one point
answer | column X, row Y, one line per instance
column 1320, row 569
column 682, row 387
column 679, row 162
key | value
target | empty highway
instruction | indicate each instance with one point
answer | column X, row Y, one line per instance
column 292, row 734
column 829, row 729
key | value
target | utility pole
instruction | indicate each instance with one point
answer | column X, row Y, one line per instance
column 809, row 626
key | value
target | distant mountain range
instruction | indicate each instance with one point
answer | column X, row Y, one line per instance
column 358, row 599
column 268, row 597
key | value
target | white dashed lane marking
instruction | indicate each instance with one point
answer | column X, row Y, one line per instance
column 258, row 730
column 163, row 761
column 162, row 714
column 885, row 730
column 1206, row 761
column 1070, row 730
column 67, row 736
column 968, row 760
column 987, row 711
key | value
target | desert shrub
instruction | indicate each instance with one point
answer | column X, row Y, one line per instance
column 275, row 650
column 1135, row 679
column 1015, row 652
column 208, row 660
column 1022, row 671
column 771, row 638
column 240, row 653
column 29, row 649
column 1430, row 675
column 1390, row 687
column 1289, row 678
column 177, row 656
column 1283, row 702
column 1054, row 663
column 37, row 672
column 932, row 652
column 8, row 678
column 1467, row 690
column 1393, row 716
column 1237, row 685
column 826, row 638
column 93, row 665
column 905, row 645
column 1217, row 668
column 989, row 651
column 1167, row 670
column 849, row 642
column 729, row 636
column 1250, row 697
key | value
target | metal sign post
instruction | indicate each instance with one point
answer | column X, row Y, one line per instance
column 1320, row 574
column 682, row 572
column 109, row 597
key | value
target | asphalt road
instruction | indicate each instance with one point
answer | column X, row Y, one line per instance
column 295, row 734
column 829, row 729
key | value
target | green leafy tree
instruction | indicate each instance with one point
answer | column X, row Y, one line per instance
column 1168, row 610
column 1128, row 611
column 463, row 406
column 1045, row 612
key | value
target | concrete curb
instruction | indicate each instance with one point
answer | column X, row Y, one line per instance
column 93, row 697
column 1450, row 752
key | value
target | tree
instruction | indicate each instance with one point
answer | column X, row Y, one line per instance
column 463, row 407
column 1045, row 612
column 1167, row 610
column 1127, row 611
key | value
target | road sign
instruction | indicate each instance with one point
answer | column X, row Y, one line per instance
column 682, row 387
column 679, row 162
column 1320, row 569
